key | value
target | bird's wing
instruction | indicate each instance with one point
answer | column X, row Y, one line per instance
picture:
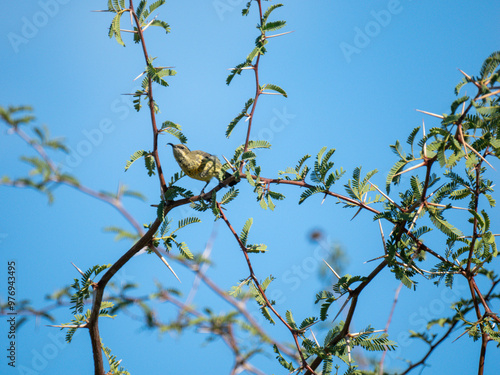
column 202, row 153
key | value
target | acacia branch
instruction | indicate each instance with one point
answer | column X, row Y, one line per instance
column 431, row 349
column 93, row 320
column 151, row 101
column 389, row 319
column 354, row 294
column 256, row 282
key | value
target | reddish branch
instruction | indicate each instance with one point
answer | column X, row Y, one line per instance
column 477, row 298
column 389, row 319
column 93, row 322
column 144, row 241
column 431, row 349
column 295, row 333
column 151, row 100
column 353, row 295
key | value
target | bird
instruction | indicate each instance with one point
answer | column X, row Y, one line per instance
column 199, row 165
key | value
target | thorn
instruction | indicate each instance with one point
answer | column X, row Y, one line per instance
column 463, row 105
column 228, row 162
column 459, row 336
column 416, row 217
column 140, row 75
column 382, row 235
column 356, row 214
column 461, row 139
column 425, row 143
column 129, row 31
column 314, row 337
column 243, row 68
column 409, row 169
column 331, row 269
column 487, row 95
column 165, row 262
column 68, row 325
column 342, row 308
column 385, row 195
column 374, row 259
column 323, row 201
column 149, row 24
column 470, row 79
column 430, row 114
column 78, row 269
column 478, row 154
column 465, row 74
column 444, row 206
column 274, row 36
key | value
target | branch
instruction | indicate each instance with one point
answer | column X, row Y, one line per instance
column 93, row 320
column 151, row 100
column 431, row 349
column 261, row 291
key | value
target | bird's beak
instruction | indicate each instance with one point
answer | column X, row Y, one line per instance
column 170, row 144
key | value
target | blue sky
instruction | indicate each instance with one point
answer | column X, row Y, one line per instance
column 354, row 72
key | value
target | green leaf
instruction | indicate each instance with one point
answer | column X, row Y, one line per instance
column 273, row 26
column 184, row 250
column 282, row 361
column 159, row 23
column 270, row 202
column 262, row 203
column 237, row 70
column 260, row 248
column 160, row 211
column 444, row 226
column 155, row 5
column 140, row 8
column 114, row 29
column 457, row 102
column 391, row 176
column 311, row 191
column 245, row 230
column 275, row 88
column 230, row 195
column 269, row 10
column 289, row 319
column 246, row 10
column 187, row 221
column 173, row 129
column 307, row 322
column 242, row 114
column 149, row 161
column 267, row 314
column 136, row 155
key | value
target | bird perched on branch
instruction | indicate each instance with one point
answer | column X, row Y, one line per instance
column 199, row 165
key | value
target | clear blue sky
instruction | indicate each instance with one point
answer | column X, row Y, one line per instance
column 355, row 71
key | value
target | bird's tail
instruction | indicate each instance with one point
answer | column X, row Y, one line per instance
column 227, row 175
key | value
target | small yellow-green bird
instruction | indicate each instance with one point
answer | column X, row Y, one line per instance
column 199, row 165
